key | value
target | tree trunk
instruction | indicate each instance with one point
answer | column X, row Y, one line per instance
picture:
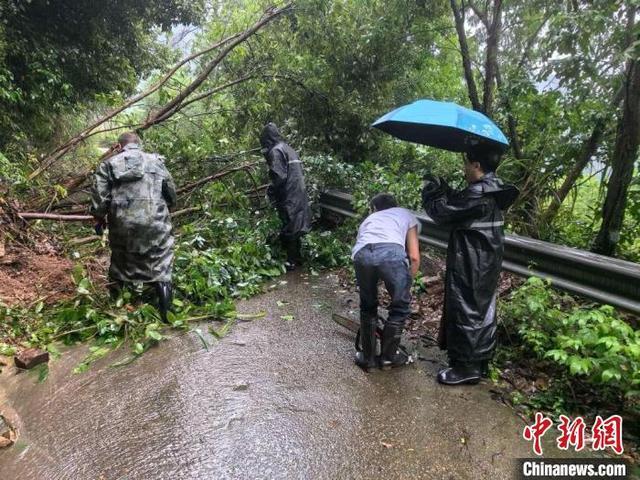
column 215, row 176
column 511, row 120
column 491, row 60
column 623, row 161
column 587, row 152
column 458, row 15
column 175, row 104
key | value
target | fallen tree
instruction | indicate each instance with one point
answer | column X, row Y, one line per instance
column 216, row 176
column 73, row 217
column 227, row 45
column 53, row 216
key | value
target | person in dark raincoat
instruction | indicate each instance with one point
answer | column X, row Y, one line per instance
column 287, row 191
column 474, row 262
column 132, row 193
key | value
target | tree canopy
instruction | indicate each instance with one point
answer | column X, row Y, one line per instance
column 59, row 54
column 558, row 77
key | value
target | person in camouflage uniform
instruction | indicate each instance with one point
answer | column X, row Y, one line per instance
column 132, row 193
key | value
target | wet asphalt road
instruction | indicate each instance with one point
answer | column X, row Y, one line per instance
column 276, row 398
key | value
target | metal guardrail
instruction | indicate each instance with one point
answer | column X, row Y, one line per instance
column 604, row 279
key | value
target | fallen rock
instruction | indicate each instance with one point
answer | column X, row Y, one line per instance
column 4, row 427
column 7, row 433
column 31, row 357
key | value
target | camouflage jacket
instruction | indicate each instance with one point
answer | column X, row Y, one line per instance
column 134, row 191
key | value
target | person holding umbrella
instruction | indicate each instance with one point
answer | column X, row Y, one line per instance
column 474, row 262
column 476, row 217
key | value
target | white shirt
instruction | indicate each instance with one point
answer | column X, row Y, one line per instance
column 386, row 226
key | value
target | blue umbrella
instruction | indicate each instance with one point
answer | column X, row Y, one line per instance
column 443, row 125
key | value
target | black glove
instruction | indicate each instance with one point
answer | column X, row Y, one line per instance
column 432, row 187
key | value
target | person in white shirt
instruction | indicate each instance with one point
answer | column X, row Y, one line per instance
column 386, row 249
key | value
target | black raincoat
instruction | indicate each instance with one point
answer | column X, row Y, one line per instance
column 474, row 261
column 287, row 189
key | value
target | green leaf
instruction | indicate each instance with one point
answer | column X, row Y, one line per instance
column 81, row 368
column 43, row 372
column 155, row 335
column 8, row 350
column 83, row 287
column 578, row 366
column 559, row 356
column 205, row 344
column 609, row 374
column 53, row 350
column 634, row 350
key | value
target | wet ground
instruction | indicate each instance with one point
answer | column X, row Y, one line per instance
column 276, row 398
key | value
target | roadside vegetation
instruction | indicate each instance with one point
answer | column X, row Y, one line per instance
column 198, row 80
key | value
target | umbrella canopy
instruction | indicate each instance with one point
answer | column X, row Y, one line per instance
column 443, row 125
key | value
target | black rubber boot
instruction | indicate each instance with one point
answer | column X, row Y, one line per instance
column 366, row 359
column 164, row 291
column 460, row 374
column 484, row 368
column 292, row 246
column 298, row 251
column 391, row 355
column 115, row 288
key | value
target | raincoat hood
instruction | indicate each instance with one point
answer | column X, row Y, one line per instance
column 270, row 137
column 503, row 193
column 133, row 166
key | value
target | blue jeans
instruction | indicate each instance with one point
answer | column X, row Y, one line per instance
column 387, row 262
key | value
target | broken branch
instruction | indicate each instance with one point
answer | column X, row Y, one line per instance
column 173, row 105
column 210, row 178
column 169, row 109
column 52, row 216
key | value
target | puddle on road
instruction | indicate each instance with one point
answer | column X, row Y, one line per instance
column 274, row 399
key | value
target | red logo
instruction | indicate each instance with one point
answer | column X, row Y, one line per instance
column 536, row 431
column 608, row 433
column 571, row 433
column 604, row 433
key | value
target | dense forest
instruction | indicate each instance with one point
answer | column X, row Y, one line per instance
column 197, row 79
